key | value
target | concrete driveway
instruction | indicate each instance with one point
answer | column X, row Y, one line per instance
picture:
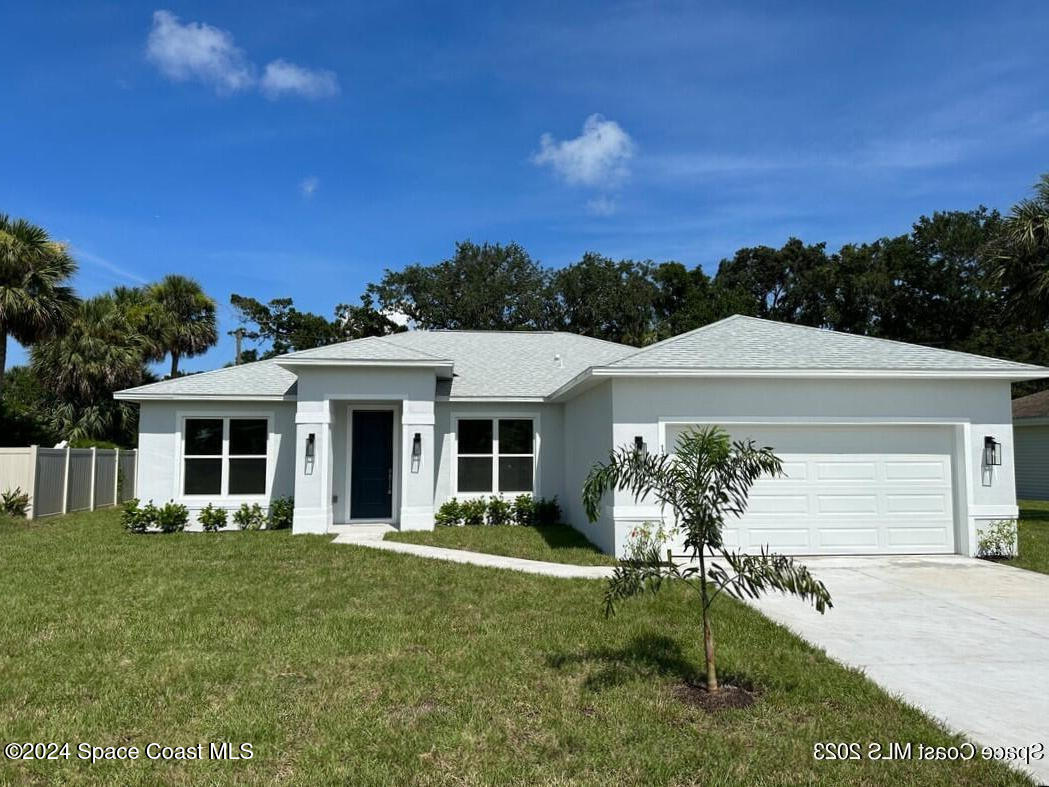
column 965, row 640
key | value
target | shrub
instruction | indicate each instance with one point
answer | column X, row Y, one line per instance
column 547, row 512
column 998, row 540
column 449, row 514
column 524, row 510
column 500, row 511
column 212, row 519
column 282, row 513
column 14, row 503
column 249, row 517
column 88, row 442
column 472, row 512
column 171, row 517
column 135, row 518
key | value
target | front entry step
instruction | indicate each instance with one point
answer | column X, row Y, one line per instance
column 351, row 533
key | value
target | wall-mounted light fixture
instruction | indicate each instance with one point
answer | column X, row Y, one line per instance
column 417, row 446
column 992, row 452
column 639, row 444
column 311, row 445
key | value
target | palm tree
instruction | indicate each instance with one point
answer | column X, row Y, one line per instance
column 1021, row 253
column 704, row 482
column 99, row 354
column 35, row 301
column 182, row 319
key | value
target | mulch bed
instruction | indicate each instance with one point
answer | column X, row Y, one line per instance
column 728, row 696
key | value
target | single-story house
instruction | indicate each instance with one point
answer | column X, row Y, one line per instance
column 1031, row 436
column 888, row 448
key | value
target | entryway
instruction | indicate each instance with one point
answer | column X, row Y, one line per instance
column 372, row 466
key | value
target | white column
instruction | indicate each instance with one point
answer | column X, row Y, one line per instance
column 417, row 470
column 313, row 475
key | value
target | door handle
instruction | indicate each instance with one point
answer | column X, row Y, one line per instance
column 389, row 481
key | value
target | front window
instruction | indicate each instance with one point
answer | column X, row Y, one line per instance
column 224, row 456
column 495, row 455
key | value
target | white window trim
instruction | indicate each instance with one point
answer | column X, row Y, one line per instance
column 495, row 455
column 222, row 496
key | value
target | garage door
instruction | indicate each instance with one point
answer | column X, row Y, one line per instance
column 849, row 490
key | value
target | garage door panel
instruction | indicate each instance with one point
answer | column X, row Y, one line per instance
column 850, row 489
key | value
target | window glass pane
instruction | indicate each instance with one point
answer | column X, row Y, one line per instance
column 515, row 474
column 203, row 477
column 247, row 476
column 247, row 436
column 203, row 436
column 475, row 475
column 475, row 436
column 515, row 436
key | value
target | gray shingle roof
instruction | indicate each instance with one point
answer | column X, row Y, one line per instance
column 371, row 348
column 262, row 378
column 1035, row 405
column 511, row 363
column 750, row 343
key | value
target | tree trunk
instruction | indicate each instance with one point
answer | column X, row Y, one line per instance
column 174, row 363
column 3, row 356
column 708, row 635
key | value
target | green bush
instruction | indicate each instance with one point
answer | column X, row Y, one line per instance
column 547, row 512
column 500, row 511
column 998, row 540
column 472, row 512
column 249, row 517
column 282, row 513
column 172, row 517
column 14, row 503
column 449, row 514
column 135, row 518
column 524, row 510
column 87, row 442
column 212, row 519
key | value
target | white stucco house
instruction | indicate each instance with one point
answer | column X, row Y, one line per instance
column 1031, row 438
column 887, row 447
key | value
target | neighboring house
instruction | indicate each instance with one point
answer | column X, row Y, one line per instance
column 887, row 447
column 1031, row 436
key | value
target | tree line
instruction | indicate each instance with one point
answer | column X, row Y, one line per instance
column 975, row 281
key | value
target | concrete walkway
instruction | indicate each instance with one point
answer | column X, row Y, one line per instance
column 967, row 641
column 372, row 536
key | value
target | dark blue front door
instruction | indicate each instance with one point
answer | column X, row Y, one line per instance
column 371, row 474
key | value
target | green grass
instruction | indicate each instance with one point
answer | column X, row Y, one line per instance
column 346, row 664
column 1034, row 537
column 553, row 543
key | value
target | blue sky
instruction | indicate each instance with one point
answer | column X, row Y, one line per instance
column 272, row 150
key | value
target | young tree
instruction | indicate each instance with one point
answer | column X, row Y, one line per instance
column 35, row 300
column 702, row 484
column 182, row 319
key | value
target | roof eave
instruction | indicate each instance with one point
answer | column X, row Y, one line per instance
column 1034, row 373
column 421, row 362
column 130, row 395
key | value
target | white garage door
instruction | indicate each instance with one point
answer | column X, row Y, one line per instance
column 849, row 490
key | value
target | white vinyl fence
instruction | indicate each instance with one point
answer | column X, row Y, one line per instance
column 60, row 480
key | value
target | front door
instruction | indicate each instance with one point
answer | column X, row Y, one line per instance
column 371, row 464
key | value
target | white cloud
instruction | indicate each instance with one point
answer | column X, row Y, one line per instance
column 598, row 157
column 198, row 51
column 309, row 186
column 281, row 78
column 601, row 206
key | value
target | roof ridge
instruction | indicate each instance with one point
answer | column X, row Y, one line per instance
column 865, row 337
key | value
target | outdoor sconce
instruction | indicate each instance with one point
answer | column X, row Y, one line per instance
column 992, row 452
column 417, row 446
column 311, row 444
column 639, row 444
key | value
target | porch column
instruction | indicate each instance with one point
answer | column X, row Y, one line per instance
column 417, row 465
column 313, row 474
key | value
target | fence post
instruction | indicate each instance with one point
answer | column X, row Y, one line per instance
column 65, row 485
column 33, row 453
column 116, row 476
column 94, row 470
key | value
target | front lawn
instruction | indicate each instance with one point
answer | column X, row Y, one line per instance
column 344, row 664
column 553, row 543
column 1034, row 537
